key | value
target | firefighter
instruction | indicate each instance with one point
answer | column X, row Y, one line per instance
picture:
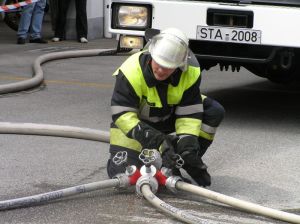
column 157, row 104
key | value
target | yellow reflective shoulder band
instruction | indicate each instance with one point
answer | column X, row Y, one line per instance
column 203, row 97
column 188, row 126
column 132, row 70
column 127, row 121
column 190, row 76
column 117, row 137
column 128, row 63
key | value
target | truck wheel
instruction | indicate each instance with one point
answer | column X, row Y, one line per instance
column 284, row 78
column 280, row 76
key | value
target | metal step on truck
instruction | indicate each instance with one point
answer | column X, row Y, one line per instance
column 262, row 36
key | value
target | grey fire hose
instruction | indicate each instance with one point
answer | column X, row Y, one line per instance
column 54, row 195
column 53, row 130
column 163, row 206
column 90, row 134
column 38, row 77
column 237, row 203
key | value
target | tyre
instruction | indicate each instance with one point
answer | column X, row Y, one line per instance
column 284, row 77
column 282, row 70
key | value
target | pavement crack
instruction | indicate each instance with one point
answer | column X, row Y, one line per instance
column 92, row 174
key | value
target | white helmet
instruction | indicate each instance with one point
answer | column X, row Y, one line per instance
column 170, row 48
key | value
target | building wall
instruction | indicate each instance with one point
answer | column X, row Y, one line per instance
column 95, row 13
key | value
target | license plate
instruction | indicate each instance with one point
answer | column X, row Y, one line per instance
column 232, row 35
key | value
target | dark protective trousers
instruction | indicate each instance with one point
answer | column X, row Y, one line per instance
column 81, row 18
column 212, row 116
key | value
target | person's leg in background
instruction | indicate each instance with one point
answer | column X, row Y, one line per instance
column 53, row 6
column 81, row 20
column 37, row 22
column 61, row 20
column 25, row 22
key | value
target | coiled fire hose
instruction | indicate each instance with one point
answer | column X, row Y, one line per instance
column 38, row 77
column 102, row 136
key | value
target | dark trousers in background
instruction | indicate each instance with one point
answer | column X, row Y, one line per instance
column 81, row 18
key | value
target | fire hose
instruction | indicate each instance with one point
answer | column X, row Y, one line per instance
column 38, row 77
column 146, row 184
column 54, row 195
column 244, row 205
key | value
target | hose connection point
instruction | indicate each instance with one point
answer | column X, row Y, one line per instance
column 150, row 180
column 130, row 170
column 171, row 183
column 166, row 171
column 123, row 180
column 120, row 158
column 148, row 170
column 179, row 161
column 151, row 157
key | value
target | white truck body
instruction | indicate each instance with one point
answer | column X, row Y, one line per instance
column 261, row 35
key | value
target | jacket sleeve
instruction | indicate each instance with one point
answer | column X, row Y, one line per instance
column 189, row 112
column 124, row 104
column 124, row 107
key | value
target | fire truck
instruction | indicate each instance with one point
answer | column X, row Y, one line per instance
column 262, row 36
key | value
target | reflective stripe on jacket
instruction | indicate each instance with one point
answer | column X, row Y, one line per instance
column 145, row 102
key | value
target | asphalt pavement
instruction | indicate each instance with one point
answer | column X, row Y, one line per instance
column 255, row 156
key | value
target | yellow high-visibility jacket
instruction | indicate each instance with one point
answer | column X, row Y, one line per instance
column 171, row 105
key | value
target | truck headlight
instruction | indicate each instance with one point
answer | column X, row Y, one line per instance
column 132, row 42
column 129, row 16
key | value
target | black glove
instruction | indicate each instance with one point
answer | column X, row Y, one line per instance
column 188, row 148
column 199, row 174
column 167, row 150
column 147, row 136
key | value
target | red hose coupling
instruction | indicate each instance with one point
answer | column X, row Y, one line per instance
column 134, row 177
column 161, row 178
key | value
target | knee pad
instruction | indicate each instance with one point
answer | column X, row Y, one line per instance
column 214, row 112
